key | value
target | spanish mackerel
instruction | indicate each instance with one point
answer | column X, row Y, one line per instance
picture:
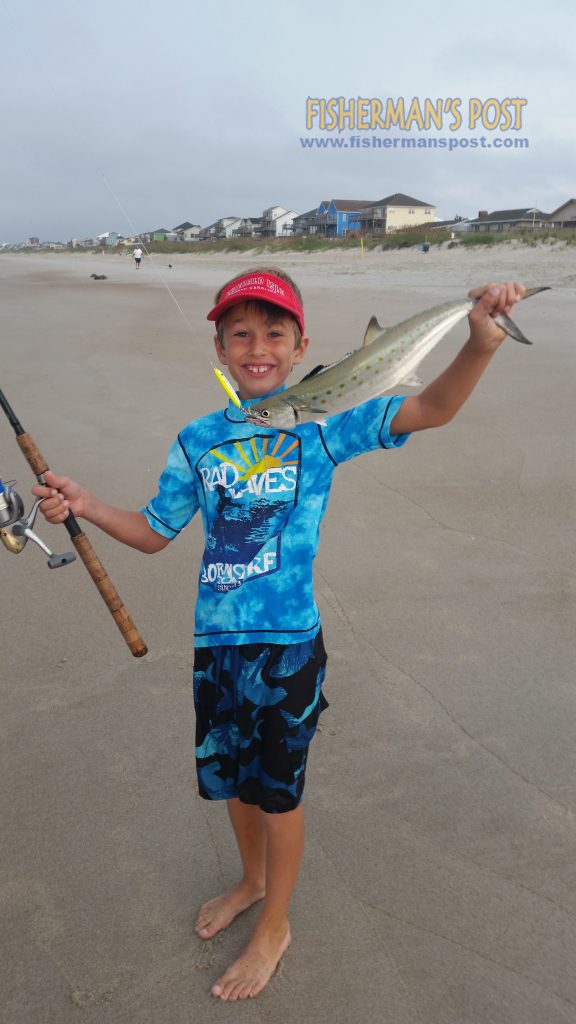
column 388, row 356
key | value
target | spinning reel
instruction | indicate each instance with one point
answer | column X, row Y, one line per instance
column 16, row 527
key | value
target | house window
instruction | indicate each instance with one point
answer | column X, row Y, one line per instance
column 410, row 211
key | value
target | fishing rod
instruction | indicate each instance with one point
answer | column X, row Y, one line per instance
column 16, row 530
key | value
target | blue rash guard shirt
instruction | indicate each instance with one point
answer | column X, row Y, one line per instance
column 262, row 493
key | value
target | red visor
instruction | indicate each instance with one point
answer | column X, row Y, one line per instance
column 267, row 287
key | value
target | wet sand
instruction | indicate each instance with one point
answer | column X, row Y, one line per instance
column 439, row 880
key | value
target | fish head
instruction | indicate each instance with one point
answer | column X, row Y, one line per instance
column 275, row 414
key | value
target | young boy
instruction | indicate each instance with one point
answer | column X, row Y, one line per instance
column 259, row 658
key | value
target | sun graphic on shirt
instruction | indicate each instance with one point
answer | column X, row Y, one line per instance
column 259, row 454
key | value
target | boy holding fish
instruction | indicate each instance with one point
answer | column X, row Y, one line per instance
column 262, row 491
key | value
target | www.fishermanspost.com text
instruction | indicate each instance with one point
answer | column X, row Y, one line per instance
column 425, row 142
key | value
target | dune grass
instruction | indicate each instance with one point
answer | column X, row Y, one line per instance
column 410, row 238
column 414, row 237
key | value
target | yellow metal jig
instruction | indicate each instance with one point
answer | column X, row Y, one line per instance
column 227, row 387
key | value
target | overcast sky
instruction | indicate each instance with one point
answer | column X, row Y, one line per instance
column 194, row 112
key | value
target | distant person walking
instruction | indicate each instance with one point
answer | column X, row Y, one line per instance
column 137, row 254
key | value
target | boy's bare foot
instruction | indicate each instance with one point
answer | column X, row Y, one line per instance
column 251, row 972
column 217, row 914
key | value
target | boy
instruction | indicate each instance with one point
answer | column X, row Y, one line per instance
column 259, row 659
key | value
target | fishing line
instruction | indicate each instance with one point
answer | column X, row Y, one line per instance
column 141, row 242
column 220, row 376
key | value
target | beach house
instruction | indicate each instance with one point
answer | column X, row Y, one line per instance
column 276, row 220
column 222, row 228
column 305, row 223
column 187, row 232
column 524, row 218
column 565, row 215
column 335, row 218
column 394, row 213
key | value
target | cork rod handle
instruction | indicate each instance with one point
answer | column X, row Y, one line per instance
column 110, row 595
column 93, row 564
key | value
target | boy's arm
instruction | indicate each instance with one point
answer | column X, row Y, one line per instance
column 440, row 401
column 128, row 527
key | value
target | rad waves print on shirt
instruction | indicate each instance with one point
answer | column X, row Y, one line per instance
column 250, row 488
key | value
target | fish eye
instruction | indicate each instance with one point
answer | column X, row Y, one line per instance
column 265, row 413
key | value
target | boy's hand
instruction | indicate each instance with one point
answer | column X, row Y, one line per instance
column 485, row 335
column 62, row 495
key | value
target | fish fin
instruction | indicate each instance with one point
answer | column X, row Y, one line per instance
column 511, row 328
column 411, row 381
column 312, row 373
column 320, row 368
column 373, row 331
column 534, row 291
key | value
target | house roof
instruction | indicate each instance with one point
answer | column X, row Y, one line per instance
column 352, row 204
column 400, row 199
column 223, row 221
column 524, row 213
column 560, row 208
column 449, row 223
column 185, row 226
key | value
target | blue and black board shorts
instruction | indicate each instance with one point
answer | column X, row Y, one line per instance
column 257, row 709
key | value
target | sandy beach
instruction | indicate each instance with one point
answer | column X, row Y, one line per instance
column 439, row 880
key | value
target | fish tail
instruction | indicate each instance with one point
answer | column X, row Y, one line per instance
column 511, row 328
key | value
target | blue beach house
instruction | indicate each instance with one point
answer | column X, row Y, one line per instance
column 337, row 217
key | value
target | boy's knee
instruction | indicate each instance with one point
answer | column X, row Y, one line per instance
column 282, row 819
